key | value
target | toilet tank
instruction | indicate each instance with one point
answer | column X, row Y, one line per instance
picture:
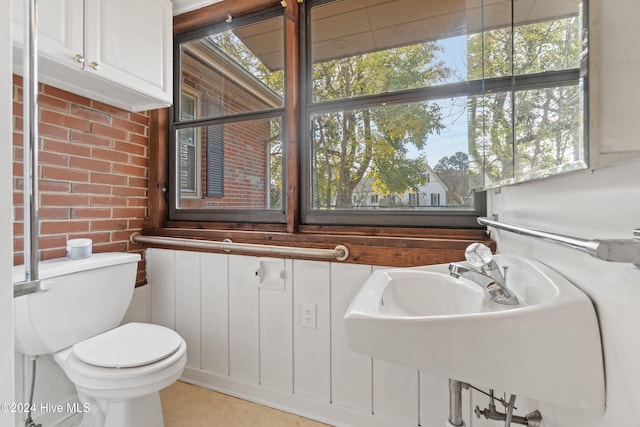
column 85, row 297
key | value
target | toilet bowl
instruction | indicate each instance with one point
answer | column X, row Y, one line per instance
column 118, row 371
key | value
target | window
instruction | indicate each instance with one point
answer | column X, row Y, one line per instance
column 236, row 72
column 440, row 98
column 409, row 110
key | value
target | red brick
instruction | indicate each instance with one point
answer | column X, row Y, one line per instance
column 126, row 191
column 48, row 158
column 139, row 118
column 135, row 212
column 107, row 178
column 58, row 132
column 66, row 174
column 68, row 200
column 129, row 126
column 90, row 164
column 110, row 155
column 67, row 96
column 65, row 147
column 109, row 224
column 109, row 109
column 87, row 138
column 90, row 114
column 137, row 149
column 53, row 186
column 104, row 130
column 58, row 227
column 54, row 213
column 65, row 120
column 138, row 182
column 109, row 201
column 138, row 139
column 130, row 170
column 90, row 188
column 139, row 161
column 90, row 213
column 49, row 102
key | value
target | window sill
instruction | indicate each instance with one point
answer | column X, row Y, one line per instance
column 392, row 247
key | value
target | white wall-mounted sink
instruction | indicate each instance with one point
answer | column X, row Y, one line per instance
column 546, row 348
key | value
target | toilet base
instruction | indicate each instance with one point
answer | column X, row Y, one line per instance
column 142, row 411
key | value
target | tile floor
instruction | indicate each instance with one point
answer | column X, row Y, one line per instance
column 186, row 405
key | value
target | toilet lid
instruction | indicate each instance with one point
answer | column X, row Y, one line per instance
column 127, row 346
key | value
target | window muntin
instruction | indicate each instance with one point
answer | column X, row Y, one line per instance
column 236, row 72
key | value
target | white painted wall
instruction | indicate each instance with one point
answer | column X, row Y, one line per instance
column 6, row 224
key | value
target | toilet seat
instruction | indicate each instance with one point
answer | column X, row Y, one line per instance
column 128, row 346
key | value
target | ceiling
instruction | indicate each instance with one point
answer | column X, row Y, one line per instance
column 349, row 27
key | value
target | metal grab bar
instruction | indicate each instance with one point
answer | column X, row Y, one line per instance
column 613, row 250
column 339, row 253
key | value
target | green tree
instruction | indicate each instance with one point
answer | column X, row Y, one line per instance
column 453, row 171
column 525, row 132
column 351, row 144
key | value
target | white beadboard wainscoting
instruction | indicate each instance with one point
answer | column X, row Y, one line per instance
column 246, row 339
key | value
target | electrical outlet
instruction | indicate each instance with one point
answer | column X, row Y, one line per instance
column 308, row 316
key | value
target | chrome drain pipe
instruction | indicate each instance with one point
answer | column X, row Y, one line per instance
column 455, row 403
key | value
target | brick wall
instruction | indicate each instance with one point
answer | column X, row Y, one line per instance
column 246, row 144
column 93, row 169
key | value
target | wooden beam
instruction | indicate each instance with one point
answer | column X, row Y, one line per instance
column 292, row 111
column 218, row 12
column 158, row 153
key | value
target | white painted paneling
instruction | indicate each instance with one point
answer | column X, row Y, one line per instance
column 214, row 306
column 276, row 332
column 312, row 357
column 434, row 400
column 244, row 309
column 351, row 373
column 161, row 276
column 395, row 392
column 187, row 275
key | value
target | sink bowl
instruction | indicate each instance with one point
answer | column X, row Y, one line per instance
column 546, row 348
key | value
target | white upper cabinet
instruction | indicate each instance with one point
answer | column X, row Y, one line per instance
column 115, row 51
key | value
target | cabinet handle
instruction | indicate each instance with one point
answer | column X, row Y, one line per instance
column 79, row 58
column 95, row 66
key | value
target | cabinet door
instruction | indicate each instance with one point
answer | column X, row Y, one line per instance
column 60, row 29
column 130, row 43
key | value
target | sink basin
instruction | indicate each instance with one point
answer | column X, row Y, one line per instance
column 546, row 348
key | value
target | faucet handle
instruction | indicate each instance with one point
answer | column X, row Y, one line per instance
column 478, row 255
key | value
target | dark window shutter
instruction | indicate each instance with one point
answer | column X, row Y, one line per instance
column 215, row 153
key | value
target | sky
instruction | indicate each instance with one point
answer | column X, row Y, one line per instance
column 454, row 137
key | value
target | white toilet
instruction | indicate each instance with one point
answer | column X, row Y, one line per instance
column 118, row 371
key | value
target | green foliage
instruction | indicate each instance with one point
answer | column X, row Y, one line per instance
column 374, row 142
column 523, row 133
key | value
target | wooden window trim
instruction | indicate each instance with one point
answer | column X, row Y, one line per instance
column 388, row 246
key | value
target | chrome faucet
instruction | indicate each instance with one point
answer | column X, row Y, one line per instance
column 485, row 274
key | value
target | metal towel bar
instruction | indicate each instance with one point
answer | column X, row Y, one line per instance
column 339, row 253
column 613, row 250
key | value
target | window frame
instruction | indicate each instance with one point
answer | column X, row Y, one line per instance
column 304, row 217
column 270, row 216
